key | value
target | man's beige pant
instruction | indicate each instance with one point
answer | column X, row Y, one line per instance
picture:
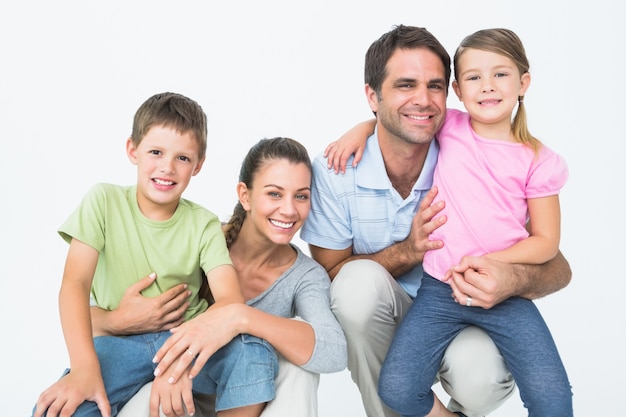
column 296, row 395
column 369, row 304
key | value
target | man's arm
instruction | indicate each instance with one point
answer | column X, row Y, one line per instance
column 536, row 281
column 397, row 258
column 489, row 282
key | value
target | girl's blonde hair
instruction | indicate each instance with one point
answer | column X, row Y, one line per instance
column 503, row 42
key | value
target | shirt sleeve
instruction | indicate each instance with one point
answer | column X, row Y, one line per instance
column 328, row 225
column 312, row 304
column 548, row 174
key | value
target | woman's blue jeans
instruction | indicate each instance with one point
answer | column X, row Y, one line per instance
column 517, row 329
column 240, row 373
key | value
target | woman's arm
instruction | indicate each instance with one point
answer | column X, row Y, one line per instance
column 139, row 314
column 312, row 304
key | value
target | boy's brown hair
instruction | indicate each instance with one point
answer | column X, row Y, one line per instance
column 174, row 111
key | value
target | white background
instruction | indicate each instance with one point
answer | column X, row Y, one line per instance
column 72, row 74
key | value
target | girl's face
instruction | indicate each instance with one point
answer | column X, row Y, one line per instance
column 489, row 86
column 166, row 160
column 279, row 201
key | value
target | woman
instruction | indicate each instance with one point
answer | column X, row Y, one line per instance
column 287, row 295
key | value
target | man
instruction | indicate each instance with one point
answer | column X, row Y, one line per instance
column 370, row 227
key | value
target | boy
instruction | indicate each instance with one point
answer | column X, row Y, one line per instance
column 120, row 233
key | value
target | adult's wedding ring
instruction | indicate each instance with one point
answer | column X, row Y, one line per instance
column 468, row 302
column 190, row 353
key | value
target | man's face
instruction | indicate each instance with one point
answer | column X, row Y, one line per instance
column 412, row 102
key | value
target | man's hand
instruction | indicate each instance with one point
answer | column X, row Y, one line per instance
column 402, row 256
column 65, row 395
column 138, row 314
column 487, row 282
column 425, row 222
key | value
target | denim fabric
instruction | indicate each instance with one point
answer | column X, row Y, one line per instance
column 240, row 373
column 517, row 329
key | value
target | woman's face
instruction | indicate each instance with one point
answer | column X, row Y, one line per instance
column 279, row 201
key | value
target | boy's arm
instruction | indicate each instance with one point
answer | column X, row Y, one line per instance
column 351, row 142
column 224, row 286
column 84, row 382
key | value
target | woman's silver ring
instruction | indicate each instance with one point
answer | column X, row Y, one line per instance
column 190, row 353
column 468, row 302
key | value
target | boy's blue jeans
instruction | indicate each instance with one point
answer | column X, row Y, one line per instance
column 240, row 373
column 517, row 329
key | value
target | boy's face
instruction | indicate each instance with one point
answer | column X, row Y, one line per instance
column 166, row 160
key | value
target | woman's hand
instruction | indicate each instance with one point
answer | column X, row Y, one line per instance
column 139, row 314
column 198, row 339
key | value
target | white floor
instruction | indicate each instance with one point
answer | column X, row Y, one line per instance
column 339, row 397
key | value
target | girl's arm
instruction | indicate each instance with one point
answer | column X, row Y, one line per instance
column 545, row 233
column 84, row 382
column 351, row 142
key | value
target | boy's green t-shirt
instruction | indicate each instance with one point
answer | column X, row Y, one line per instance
column 132, row 246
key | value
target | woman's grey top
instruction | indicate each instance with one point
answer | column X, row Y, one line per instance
column 304, row 291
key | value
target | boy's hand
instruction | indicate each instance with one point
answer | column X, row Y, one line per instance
column 174, row 399
column 65, row 395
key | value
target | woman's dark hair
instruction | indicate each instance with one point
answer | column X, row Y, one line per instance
column 263, row 152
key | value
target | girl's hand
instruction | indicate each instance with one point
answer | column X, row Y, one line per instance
column 352, row 142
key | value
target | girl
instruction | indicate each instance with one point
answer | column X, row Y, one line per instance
column 500, row 186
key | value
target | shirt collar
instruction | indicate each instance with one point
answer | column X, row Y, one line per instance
column 368, row 171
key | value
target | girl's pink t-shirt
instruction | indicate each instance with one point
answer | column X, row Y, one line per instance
column 485, row 184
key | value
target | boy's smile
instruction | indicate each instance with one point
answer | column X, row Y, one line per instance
column 166, row 160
